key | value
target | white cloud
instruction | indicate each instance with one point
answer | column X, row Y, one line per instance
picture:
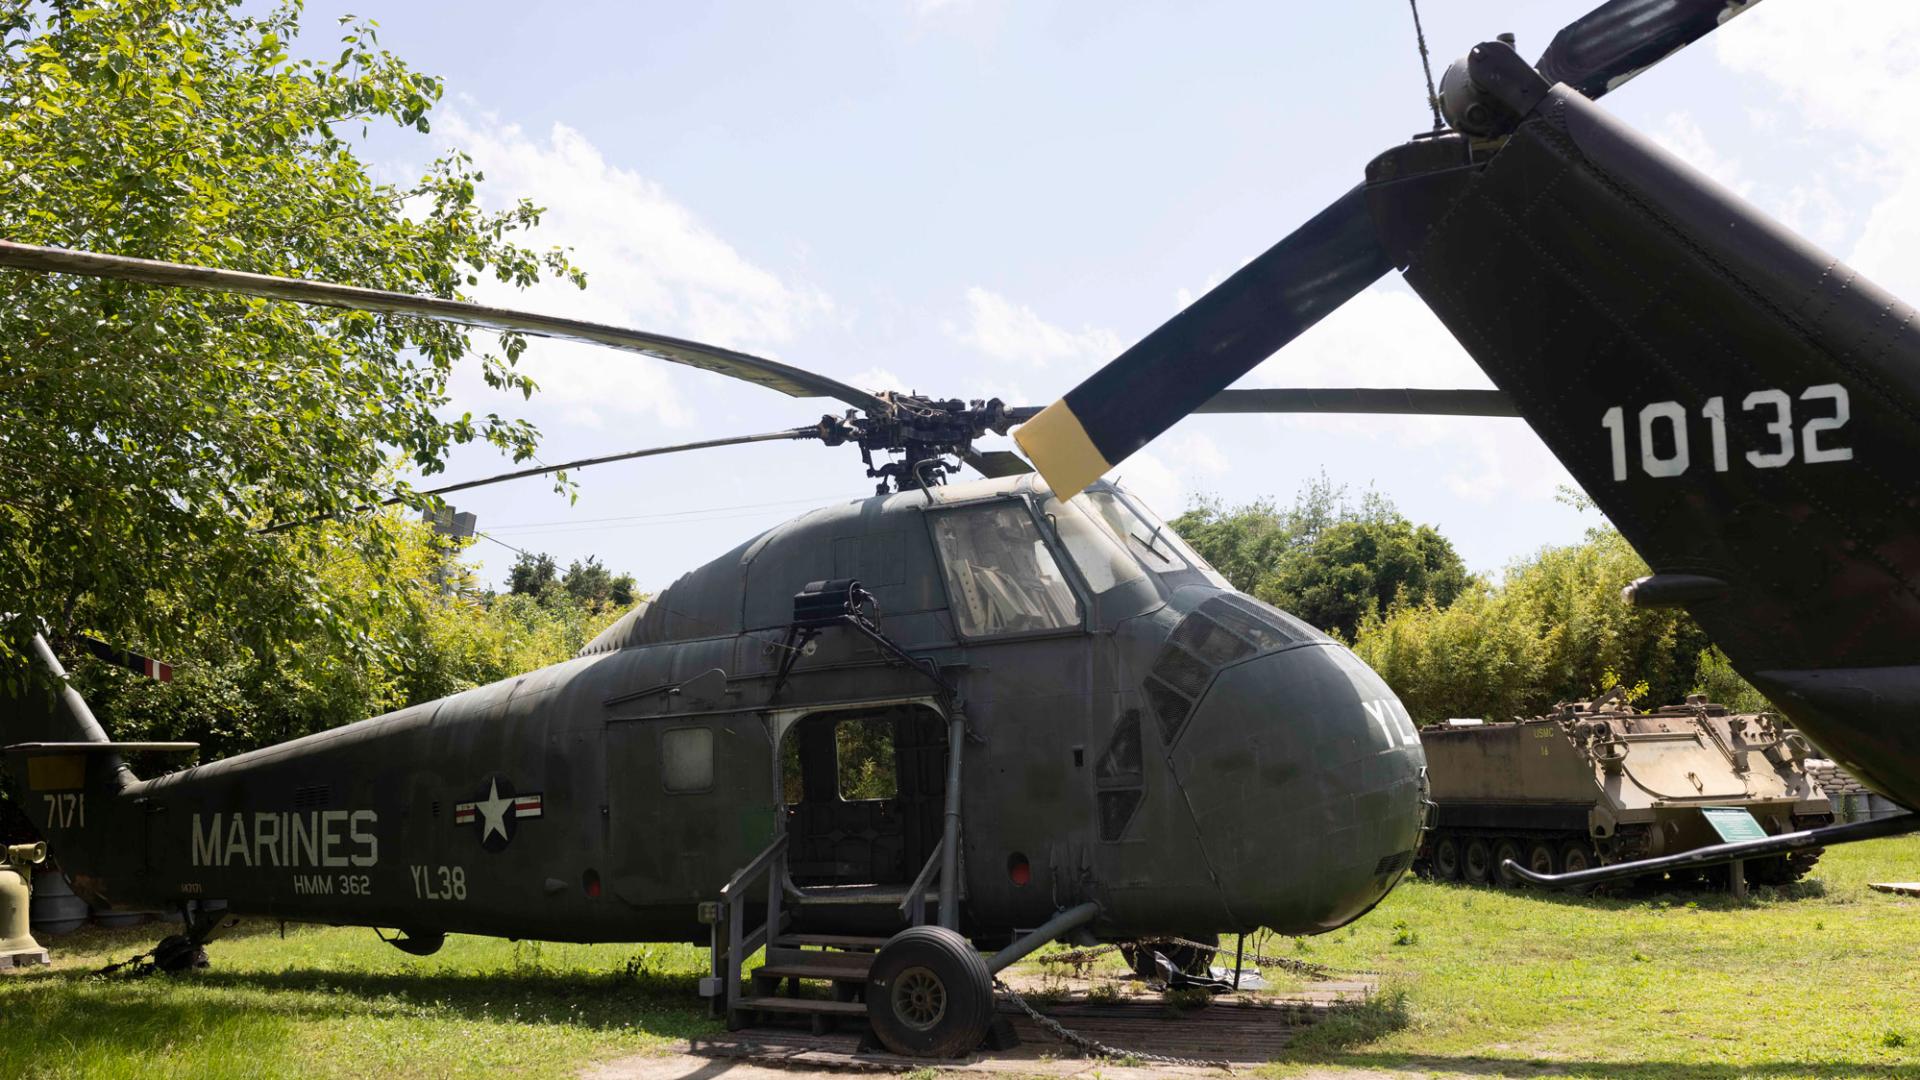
column 1014, row 332
column 650, row 262
column 879, row 378
column 1849, row 69
column 1386, row 337
column 1168, row 477
column 1681, row 135
column 1848, row 66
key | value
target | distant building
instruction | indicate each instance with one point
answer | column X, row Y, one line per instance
column 448, row 523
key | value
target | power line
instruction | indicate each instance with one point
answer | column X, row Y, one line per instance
column 504, row 544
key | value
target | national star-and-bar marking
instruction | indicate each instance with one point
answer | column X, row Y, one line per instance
column 494, row 813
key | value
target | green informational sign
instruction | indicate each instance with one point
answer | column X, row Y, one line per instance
column 1733, row 823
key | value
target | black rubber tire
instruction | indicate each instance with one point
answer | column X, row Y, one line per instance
column 1504, row 849
column 1446, row 858
column 1542, row 859
column 1476, row 862
column 929, row 994
column 1577, row 855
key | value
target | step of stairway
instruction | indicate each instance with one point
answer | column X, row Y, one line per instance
column 815, row 1006
column 834, row 972
column 835, row 941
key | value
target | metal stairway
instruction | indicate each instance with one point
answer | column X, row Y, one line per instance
column 796, row 957
column 840, row 960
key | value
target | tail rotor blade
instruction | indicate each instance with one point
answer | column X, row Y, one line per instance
column 1609, row 45
column 1197, row 353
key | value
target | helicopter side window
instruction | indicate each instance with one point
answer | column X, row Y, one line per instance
column 1001, row 578
column 686, row 759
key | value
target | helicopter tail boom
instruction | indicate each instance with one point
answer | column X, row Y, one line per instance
column 1744, row 407
column 69, row 777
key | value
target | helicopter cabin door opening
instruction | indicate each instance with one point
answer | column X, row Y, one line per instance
column 864, row 791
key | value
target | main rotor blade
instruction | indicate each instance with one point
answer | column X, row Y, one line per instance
column 772, row 374
column 995, row 463
column 581, row 463
column 1408, row 402
column 1609, row 45
column 1380, row 401
column 1197, row 353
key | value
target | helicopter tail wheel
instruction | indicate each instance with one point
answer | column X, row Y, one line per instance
column 178, row 953
column 929, row 994
column 1184, row 958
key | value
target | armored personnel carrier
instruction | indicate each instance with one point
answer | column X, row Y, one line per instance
column 1598, row 782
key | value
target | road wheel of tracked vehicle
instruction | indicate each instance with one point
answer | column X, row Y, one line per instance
column 1540, row 858
column 1577, row 855
column 1504, row 850
column 1446, row 858
column 1476, row 862
column 929, row 994
column 1782, row 869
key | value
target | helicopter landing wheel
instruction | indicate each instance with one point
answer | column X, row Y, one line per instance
column 1503, row 850
column 1446, row 858
column 929, row 994
column 1476, row 862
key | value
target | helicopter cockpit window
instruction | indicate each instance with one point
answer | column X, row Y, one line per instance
column 1099, row 557
column 1001, row 578
column 1152, row 540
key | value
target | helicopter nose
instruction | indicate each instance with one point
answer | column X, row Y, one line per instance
column 1304, row 775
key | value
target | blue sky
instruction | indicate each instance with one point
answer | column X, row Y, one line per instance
column 971, row 198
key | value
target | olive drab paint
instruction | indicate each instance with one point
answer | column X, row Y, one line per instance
column 1137, row 728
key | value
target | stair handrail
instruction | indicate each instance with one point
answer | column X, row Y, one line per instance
column 914, row 907
column 771, row 862
column 755, row 868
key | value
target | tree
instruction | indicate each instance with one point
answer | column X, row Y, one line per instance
column 532, row 575
column 426, row 642
column 1325, row 560
column 594, row 585
column 1556, row 628
column 151, row 436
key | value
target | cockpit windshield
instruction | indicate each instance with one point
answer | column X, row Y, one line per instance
column 1155, row 544
column 1092, row 549
column 1001, row 577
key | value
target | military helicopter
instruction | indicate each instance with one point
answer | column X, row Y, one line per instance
column 1092, row 734
column 1744, row 407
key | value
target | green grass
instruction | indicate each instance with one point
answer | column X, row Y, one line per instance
column 1822, row 982
column 338, row 1002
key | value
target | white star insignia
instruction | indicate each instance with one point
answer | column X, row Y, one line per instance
column 493, row 813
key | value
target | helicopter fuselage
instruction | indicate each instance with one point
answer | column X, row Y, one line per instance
column 1139, row 735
